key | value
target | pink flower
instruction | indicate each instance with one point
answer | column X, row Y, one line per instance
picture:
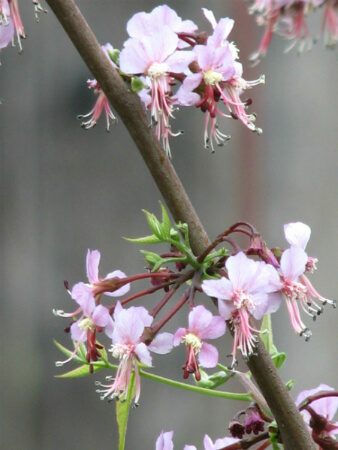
column 165, row 441
column 217, row 77
column 102, row 103
column 6, row 25
column 156, row 57
column 243, row 294
column 330, row 26
column 217, row 445
column 128, row 347
column 144, row 24
column 326, row 408
column 202, row 325
column 296, row 287
column 97, row 285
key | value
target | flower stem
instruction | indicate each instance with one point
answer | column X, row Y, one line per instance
column 197, row 389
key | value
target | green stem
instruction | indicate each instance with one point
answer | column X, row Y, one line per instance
column 198, row 390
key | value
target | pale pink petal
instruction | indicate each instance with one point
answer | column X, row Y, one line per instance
column 199, row 318
column 274, row 302
column 241, row 271
column 221, row 443
column 205, row 56
column 164, row 15
column 143, row 353
column 221, row 32
column 118, row 308
column 215, row 329
column 208, row 356
column 297, row 234
column 162, row 344
column 293, row 263
column 83, row 295
column 161, row 45
column 109, row 328
column 208, row 444
column 326, row 407
column 179, row 61
column 139, row 25
column 225, row 308
column 123, row 290
column 100, row 316
column 189, row 447
column 221, row 289
column 186, row 98
column 186, row 26
column 180, row 333
column 133, row 58
column 209, row 15
column 192, row 81
column 128, row 327
column 77, row 334
column 260, row 305
column 165, row 441
column 6, row 33
column 92, row 265
column 144, row 316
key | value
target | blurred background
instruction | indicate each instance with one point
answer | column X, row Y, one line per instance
column 64, row 190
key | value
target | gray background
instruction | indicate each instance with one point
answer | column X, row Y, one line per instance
column 64, row 190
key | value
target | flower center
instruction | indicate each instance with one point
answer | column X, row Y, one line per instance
column 211, row 78
column 86, row 324
column 242, row 299
column 120, row 351
column 157, row 70
column 294, row 290
column 192, row 340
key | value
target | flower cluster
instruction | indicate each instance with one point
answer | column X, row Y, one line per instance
column 11, row 25
column 318, row 407
column 288, row 18
column 246, row 290
column 169, row 63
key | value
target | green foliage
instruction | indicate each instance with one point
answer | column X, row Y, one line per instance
column 214, row 380
column 277, row 357
column 122, row 412
column 82, row 371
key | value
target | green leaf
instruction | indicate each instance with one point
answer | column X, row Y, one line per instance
column 278, row 359
column 67, row 352
column 136, row 85
column 151, row 257
column 114, row 55
column 122, row 412
column 214, row 380
column 266, row 333
column 290, row 384
column 154, row 224
column 81, row 371
column 166, row 223
column 145, row 240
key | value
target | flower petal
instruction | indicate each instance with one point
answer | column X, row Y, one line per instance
column 179, row 61
column 297, row 234
column 143, row 353
column 83, row 295
column 180, row 333
column 162, row 344
column 6, row 33
column 101, row 316
column 92, row 265
column 165, row 441
column 225, row 308
column 199, row 319
column 215, row 329
column 208, row 356
column 241, row 271
column 293, row 262
column 123, row 290
column 77, row 334
column 221, row 289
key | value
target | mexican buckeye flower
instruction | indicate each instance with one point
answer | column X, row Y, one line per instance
column 319, row 415
column 7, row 30
column 202, row 325
column 217, row 78
column 330, row 26
column 93, row 316
column 126, row 333
column 244, row 294
column 156, row 56
column 102, row 103
column 295, row 285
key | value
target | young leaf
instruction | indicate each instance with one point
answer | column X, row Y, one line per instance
column 81, row 371
column 122, row 412
column 215, row 380
column 166, row 224
column 266, row 333
column 145, row 240
column 66, row 352
column 278, row 359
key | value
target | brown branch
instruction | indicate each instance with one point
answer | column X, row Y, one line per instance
column 293, row 430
